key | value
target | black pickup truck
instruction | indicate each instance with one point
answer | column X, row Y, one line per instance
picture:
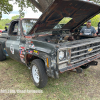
column 49, row 50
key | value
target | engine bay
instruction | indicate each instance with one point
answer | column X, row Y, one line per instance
column 60, row 37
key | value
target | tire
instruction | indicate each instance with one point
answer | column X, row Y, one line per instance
column 2, row 56
column 85, row 66
column 38, row 72
column 79, row 70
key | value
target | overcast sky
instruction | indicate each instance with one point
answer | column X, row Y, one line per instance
column 28, row 12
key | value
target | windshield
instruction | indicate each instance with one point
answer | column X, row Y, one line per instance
column 27, row 25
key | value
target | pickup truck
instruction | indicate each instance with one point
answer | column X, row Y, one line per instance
column 48, row 50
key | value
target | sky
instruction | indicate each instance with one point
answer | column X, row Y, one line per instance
column 28, row 12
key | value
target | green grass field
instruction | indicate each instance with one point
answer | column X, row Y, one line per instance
column 70, row 85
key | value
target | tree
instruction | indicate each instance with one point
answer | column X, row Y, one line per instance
column 41, row 5
column 3, row 22
column 5, row 7
column 16, row 17
column 95, row 20
column 97, row 1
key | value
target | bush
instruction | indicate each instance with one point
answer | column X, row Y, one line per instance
column 95, row 20
column 3, row 22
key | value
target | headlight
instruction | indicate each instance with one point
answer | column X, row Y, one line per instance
column 61, row 55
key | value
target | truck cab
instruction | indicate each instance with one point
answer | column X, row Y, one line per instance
column 16, row 40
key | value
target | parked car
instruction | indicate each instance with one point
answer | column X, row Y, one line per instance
column 0, row 31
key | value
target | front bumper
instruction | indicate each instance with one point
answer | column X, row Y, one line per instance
column 73, row 66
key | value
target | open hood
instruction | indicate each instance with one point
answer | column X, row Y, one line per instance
column 80, row 11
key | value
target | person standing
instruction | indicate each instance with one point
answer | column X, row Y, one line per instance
column 5, row 30
column 88, row 29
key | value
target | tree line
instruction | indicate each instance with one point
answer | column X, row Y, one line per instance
column 3, row 22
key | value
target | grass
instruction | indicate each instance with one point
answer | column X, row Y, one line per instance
column 70, row 85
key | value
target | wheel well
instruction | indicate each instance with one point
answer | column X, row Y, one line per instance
column 30, row 58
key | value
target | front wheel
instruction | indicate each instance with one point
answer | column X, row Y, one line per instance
column 38, row 72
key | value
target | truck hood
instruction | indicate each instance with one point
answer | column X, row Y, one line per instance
column 80, row 11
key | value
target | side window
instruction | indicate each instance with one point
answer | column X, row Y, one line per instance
column 15, row 31
column 14, row 28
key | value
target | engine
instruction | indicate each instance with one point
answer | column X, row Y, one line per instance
column 60, row 37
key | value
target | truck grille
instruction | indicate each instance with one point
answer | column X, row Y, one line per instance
column 82, row 52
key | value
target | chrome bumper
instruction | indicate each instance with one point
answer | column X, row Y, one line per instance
column 73, row 66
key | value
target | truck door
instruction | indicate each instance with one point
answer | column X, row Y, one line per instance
column 13, row 41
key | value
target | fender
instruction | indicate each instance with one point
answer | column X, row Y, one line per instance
column 3, row 47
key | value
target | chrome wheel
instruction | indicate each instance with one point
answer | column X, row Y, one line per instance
column 38, row 72
column 35, row 73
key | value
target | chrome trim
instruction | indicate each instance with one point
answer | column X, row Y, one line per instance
column 67, row 60
column 63, row 61
column 85, row 49
column 81, row 52
column 85, row 53
column 96, row 40
column 93, row 43
column 84, row 58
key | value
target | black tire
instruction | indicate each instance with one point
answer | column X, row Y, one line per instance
column 85, row 66
column 2, row 55
column 41, row 72
column 79, row 70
